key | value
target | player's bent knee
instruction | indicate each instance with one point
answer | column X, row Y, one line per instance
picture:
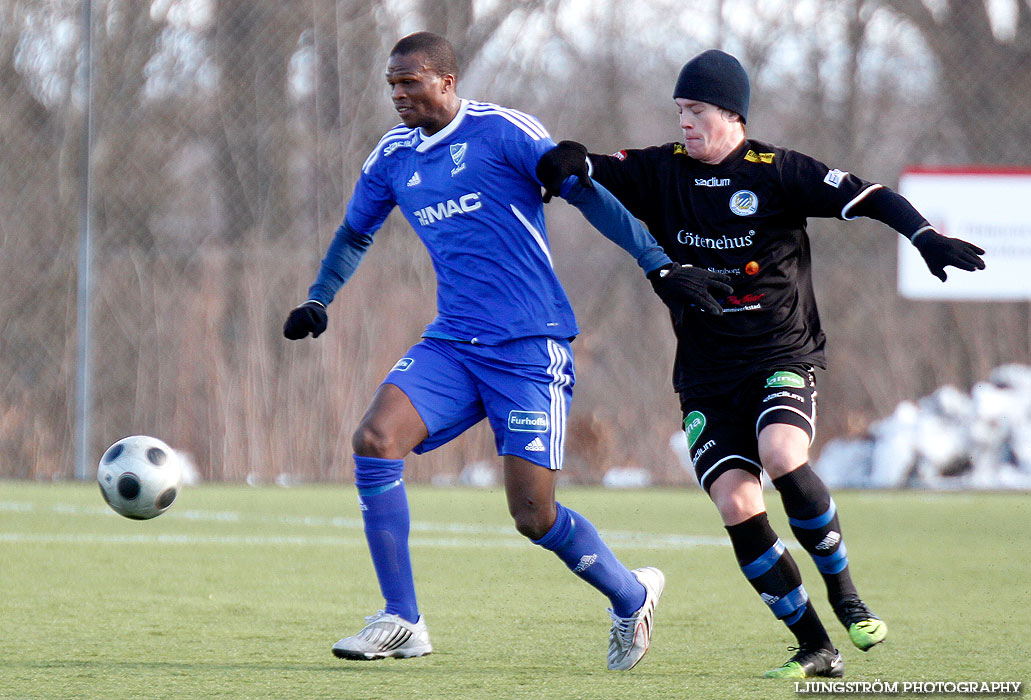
column 369, row 441
column 734, row 510
column 780, row 464
column 531, row 530
column 778, row 461
column 533, row 521
column 737, row 495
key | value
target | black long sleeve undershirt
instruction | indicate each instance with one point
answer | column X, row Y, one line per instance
column 891, row 208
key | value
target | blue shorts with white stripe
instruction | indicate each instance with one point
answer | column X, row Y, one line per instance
column 522, row 387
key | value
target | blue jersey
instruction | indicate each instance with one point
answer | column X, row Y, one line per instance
column 471, row 193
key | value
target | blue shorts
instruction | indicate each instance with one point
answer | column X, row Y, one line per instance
column 523, row 387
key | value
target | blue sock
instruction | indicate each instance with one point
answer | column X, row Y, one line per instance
column 576, row 542
column 384, row 504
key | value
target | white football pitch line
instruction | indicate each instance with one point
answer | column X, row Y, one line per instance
column 461, row 534
column 42, row 538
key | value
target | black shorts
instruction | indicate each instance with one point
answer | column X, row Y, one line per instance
column 723, row 429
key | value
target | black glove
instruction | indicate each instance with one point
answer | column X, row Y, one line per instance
column 565, row 159
column 309, row 317
column 681, row 286
column 939, row 251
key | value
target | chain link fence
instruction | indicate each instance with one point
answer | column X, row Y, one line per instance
column 172, row 171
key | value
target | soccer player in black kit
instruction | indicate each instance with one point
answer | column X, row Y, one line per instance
column 744, row 372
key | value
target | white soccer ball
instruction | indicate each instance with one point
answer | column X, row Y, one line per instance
column 139, row 477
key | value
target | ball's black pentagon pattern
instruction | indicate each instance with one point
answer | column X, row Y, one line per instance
column 128, row 486
column 165, row 498
column 113, row 453
column 139, row 477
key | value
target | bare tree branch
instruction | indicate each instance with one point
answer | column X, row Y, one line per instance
column 915, row 11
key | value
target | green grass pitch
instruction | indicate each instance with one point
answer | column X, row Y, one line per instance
column 239, row 592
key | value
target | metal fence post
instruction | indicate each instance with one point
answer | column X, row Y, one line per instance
column 83, row 388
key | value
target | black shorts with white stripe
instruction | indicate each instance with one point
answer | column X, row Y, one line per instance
column 723, row 428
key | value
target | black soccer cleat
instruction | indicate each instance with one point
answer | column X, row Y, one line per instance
column 808, row 663
column 865, row 629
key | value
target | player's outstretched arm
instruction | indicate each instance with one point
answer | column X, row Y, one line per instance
column 678, row 286
column 938, row 251
column 611, row 218
column 342, row 258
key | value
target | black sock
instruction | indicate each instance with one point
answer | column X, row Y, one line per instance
column 814, row 521
column 773, row 573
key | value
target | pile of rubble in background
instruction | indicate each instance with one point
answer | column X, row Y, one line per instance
column 948, row 440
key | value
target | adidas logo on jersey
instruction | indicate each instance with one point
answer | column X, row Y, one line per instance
column 414, row 179
column 585, row 563
column 829, row 541
column 535, row 445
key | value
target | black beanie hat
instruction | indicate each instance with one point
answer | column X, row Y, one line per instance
column 715, row 77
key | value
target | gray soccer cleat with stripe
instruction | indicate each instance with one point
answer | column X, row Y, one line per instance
column 385, row 636
column 631, row 636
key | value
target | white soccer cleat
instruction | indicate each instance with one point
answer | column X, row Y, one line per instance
column 385, row 636
column 631, row 636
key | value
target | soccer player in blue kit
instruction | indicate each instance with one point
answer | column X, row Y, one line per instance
column 464, row 174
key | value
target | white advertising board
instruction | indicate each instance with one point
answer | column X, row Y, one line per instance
column 989, row 207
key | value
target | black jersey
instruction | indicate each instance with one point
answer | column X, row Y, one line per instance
column 746, row 218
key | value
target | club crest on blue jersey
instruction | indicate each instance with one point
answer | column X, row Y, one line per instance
column 458, row 151
column 528, row 421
